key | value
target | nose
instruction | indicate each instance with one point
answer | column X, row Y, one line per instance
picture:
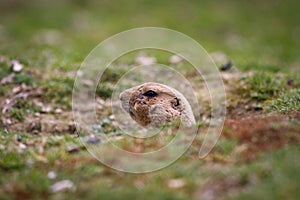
column 121, row 96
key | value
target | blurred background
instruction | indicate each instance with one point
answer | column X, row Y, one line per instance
column 253, row 34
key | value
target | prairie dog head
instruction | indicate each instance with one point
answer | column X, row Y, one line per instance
column 154, row 103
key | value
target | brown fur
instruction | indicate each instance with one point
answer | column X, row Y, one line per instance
column 167, row 105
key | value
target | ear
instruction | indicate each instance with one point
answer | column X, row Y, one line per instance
column 176, row 103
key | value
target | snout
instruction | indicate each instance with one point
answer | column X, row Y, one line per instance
column 124, row 98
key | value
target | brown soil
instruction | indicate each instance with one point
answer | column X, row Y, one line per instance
column 260, row 133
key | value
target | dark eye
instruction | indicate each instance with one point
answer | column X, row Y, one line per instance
column 150, row 93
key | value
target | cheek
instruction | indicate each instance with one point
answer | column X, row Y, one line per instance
column 141, row 108
column 133, row 100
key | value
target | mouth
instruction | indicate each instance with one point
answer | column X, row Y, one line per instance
column 131, row 114
column 125, row 106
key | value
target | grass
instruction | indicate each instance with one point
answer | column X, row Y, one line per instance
column 11, row 160
column 24, row 78
column 279, row 176
column 263, row 85
column 286, row 102
column 4, row 70
column 58, row 90
column 23, row 170
column 278, row 91
column 51, row 39
column 17, row 114
column 104, row 90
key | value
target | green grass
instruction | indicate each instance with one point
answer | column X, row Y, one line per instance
column 273, row 90
column 11, row 160
column 263, row 85
column 24, row 78
column 287, row 102
column 26, row 173
column 4, row 70
column 58, row 90
column 21, row 108
column 104, row 90
column 279, row 175
column 17, row 114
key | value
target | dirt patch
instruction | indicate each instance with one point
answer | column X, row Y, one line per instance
column 261, row 133
column 45, row 124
